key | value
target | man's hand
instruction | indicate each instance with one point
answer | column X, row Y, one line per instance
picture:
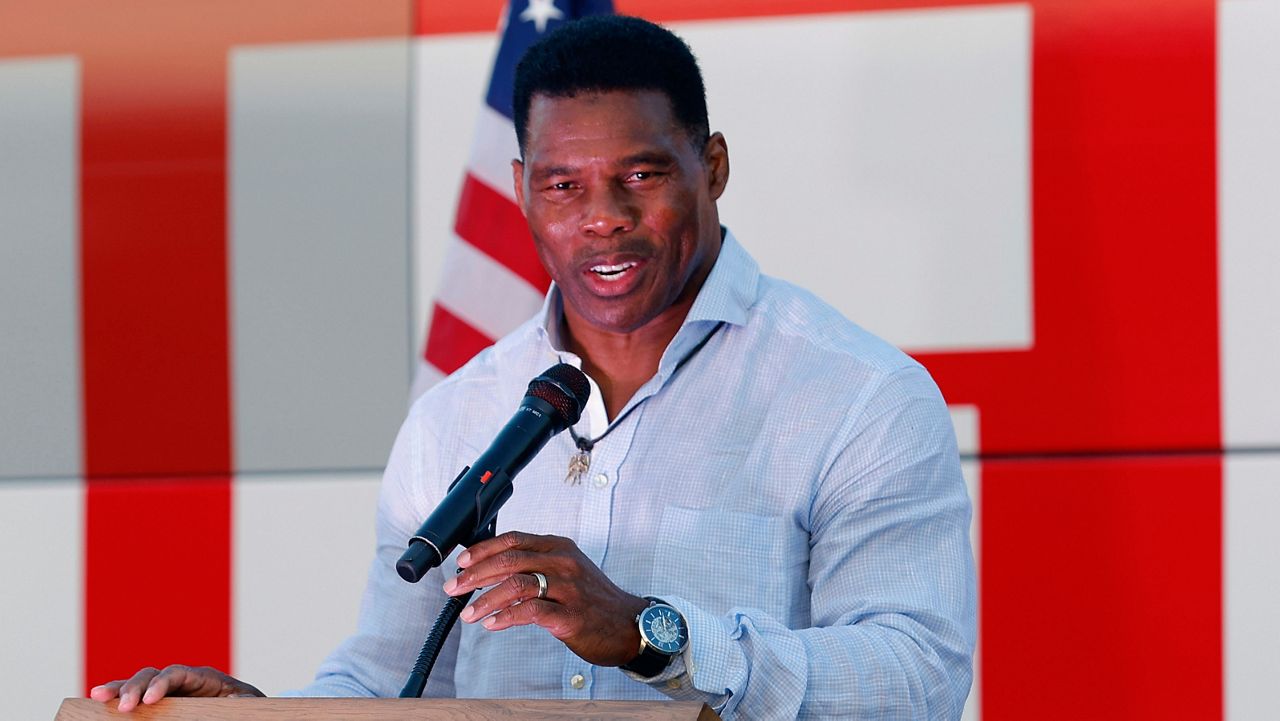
column 150, row 685
column 582, row 608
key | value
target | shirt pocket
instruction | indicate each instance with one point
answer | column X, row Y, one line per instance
column 722, row 559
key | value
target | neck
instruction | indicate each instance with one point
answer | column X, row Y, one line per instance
column 621, row 362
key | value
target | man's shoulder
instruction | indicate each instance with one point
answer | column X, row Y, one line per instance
column 820, row 335
column 490, row 382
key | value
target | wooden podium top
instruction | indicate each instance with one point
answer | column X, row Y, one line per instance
column 378, row 709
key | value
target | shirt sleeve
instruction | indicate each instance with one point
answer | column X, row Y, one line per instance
column 377, row 658
column 893, row 591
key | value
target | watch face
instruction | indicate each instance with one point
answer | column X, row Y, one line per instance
column 663, row 628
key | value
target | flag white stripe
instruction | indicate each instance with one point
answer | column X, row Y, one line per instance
column 484, row 293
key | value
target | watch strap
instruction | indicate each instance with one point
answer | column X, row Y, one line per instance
column 649, row 663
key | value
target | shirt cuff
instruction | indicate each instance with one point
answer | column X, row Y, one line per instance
column 712, row 668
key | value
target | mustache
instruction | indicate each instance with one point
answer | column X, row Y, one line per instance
column 627, row 246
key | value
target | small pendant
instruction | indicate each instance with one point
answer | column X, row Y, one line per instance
column 579, row 464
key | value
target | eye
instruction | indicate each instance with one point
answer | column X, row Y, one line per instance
column 641, row 176
column 560, row 189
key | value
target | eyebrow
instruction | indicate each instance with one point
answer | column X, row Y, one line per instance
column 553, row 171
column 648, row 158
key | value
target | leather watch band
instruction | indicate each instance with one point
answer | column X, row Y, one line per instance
column 649, row 663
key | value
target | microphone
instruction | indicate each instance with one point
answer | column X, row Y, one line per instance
column 553, row 402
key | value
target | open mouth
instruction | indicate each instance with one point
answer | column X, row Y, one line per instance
column 612, row 272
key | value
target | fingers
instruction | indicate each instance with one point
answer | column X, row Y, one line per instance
column 517, row 588
column 511, row 540
column 557, row 619
column 495, row 560
column 149, row 686
column 129, row 691
column 498, row 568
column 106, row 691
column 172, row 678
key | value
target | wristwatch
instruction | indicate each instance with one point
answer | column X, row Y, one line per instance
column 663, row 635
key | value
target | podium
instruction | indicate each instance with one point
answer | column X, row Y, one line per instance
column 385, row 709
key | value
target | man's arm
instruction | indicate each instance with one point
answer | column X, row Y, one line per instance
column 893, row 597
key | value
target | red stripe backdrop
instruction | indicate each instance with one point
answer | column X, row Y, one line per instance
column 156, row 377
column 1101, row 579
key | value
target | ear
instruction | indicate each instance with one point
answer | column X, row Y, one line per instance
column 517, row 179
column 715, row 157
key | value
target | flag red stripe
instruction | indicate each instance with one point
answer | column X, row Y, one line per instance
column 494, row 225
column 156, row 388
column 451, row 342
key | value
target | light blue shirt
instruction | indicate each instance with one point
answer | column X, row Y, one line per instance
column 794, row 491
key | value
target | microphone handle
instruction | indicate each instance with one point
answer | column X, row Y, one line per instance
column 475, row 496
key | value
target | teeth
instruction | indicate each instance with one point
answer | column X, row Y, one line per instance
column 611, row 271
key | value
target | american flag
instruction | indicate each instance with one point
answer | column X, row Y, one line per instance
column 492, row 280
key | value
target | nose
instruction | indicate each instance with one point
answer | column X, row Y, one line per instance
column 608, row 211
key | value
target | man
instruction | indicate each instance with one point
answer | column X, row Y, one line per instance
column 774, row 491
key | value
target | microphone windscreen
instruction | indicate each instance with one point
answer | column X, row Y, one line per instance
column 566, row 388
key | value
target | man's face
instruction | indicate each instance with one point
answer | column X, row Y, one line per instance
column 621, row 205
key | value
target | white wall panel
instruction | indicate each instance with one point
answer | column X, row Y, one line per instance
column 40, row 412
column 882, row 160
column 302, row 545
column 965, row 419
column 972, row 470
column 1251, row 585
column 319, row 157
column 41, row 595
column 450, row 76
column 1249, row 219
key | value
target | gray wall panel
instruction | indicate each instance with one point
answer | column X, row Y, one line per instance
column 40, row 411
column 319, row 253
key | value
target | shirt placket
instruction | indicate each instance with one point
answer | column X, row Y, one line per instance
column 595, row 525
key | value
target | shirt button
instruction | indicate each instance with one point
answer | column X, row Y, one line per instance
column 602, row 480
column 577, row 681
column 673, row 683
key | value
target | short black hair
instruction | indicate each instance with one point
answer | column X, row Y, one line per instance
column 604, row 53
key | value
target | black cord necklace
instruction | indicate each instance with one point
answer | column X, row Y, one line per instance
column 580, row 462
